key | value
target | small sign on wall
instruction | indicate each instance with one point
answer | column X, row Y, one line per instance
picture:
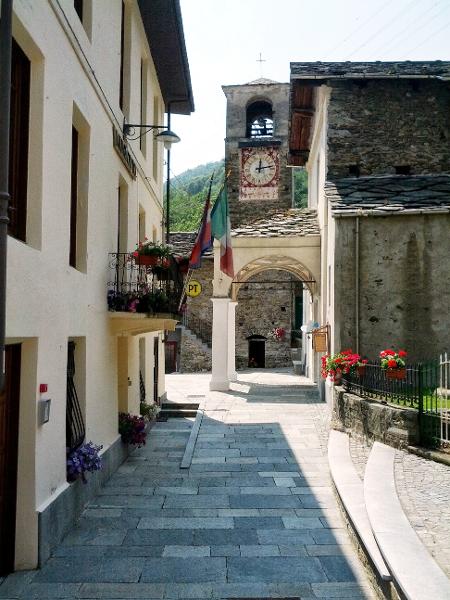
column 194, row 288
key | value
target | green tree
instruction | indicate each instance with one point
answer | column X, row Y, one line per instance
column 300, row 184
column 188, row 195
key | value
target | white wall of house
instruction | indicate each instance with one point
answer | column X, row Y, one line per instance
column 75, row 80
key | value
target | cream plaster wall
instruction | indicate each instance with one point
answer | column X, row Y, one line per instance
column 49, row 302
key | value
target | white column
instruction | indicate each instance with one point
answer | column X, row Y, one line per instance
column 232, row 375
column 220, row 337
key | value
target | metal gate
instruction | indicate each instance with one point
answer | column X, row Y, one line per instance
column 444, row 398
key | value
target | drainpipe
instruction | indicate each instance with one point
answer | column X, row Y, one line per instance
column 5, row 98
column 357, row 284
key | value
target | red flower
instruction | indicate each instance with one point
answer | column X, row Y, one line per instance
column 402, row 353
column 392, row 363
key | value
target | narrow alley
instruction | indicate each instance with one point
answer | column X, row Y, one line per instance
column 254, row 516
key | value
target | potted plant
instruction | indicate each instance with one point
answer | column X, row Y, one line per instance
column 394, row 363
column 83, row 459
column 149, row 411
column 336, row 365
column 152, row 254
column 132, row 429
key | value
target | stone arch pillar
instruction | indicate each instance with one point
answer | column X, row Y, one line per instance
column 232, row 375
column 220, row 381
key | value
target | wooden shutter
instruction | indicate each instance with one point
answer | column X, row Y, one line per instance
column 74, row 200
column 18, row 142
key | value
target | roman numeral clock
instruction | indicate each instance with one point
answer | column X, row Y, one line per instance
column 259, row 173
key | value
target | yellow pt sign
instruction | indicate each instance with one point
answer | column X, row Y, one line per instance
column 194, row 288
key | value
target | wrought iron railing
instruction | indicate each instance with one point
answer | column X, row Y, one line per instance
column 201, row 328
column 75, row 429
column 142, row 393
column 417, row 390
column 144, row 289
column 420, row 390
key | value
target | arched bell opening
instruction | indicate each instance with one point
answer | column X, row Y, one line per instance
column 259, row 119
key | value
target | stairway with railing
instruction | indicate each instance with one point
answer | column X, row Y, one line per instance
column 202, row 329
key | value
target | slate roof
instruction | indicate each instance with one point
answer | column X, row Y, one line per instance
column 387, row 195
column 261, row 81
column 183, row 242
column 293, row 222
column 378, row 69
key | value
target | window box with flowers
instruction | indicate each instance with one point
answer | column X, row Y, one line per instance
column 343, row 363
column 394, row 363
column 152, row 254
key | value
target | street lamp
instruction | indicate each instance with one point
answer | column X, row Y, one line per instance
column 166, row 136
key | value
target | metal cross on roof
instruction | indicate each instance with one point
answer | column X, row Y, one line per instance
column 261, row 60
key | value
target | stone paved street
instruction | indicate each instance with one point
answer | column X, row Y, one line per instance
column 253, row 517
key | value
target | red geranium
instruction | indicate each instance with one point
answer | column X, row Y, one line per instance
column 390, row 359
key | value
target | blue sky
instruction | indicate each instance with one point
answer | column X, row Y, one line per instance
column 224, row 39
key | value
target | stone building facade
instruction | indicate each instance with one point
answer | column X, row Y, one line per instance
column 375, row 139
column 388, row 127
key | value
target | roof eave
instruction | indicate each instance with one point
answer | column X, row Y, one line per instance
column 163, row 26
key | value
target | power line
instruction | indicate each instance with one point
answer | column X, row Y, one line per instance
column 429, row 37
column 383, row 28
column 395, row 42
column 369, row 18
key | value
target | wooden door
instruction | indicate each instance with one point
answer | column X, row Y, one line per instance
column 257, row 353
column 9, row 434
column 171, row 357
column 155, row 370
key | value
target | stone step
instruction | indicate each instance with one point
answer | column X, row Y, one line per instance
column 171, row 410
column 179, row 405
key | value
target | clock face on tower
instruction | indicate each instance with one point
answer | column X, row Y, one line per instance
column 260, row 171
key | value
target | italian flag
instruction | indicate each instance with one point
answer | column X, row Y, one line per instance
column 221, row 230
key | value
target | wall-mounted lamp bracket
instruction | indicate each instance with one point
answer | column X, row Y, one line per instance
column 166, row 136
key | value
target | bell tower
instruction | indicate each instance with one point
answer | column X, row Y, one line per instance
column 256, row 147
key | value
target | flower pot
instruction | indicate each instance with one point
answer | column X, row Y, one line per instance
column 361, row 370
column 338, row 379
column 146, row 260
column 396, row 373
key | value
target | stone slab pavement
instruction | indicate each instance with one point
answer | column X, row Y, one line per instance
column 253, row 517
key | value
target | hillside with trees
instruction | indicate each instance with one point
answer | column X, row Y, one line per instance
column 188, row 193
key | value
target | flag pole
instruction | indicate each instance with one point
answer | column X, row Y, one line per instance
column 189, row 273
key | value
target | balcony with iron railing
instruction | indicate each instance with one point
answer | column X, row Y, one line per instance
column 143, row 297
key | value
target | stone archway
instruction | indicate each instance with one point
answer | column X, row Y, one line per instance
column 300, row 257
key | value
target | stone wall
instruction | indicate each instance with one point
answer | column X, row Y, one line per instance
column 382, row 124
column 375, row 422
column 201, row 306
column 261, row 308
column 404, row 294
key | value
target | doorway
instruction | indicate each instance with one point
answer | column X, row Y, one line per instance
column 9, row 435
column 256, row 352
